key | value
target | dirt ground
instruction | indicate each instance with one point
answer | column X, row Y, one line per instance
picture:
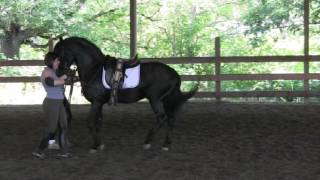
column 210, row 141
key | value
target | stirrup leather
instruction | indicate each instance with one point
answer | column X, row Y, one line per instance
column 116, row 78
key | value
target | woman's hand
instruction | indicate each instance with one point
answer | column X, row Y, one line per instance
column 61, row 80
column 63, row 77
column 71, row 80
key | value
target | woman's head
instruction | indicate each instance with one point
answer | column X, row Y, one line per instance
column 51, row 60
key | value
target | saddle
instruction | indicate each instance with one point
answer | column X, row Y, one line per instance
column 115, row 74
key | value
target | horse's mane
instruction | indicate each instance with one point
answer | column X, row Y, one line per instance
column 83, row 45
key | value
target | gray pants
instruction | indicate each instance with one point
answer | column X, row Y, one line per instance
column 55, row 115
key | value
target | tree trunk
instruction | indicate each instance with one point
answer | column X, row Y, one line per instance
column 174, row 43
column 191, row 45
column 10, row 46
column 10, row 43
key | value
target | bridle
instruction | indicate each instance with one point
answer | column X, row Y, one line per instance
column 70, row 73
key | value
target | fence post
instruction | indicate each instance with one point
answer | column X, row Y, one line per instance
column 306, row 50
column 50, row 44
column 217, row 65
column 133, row 28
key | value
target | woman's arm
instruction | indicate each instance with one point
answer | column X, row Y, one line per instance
column 47, row 76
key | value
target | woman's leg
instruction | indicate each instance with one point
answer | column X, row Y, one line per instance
column 51, row 109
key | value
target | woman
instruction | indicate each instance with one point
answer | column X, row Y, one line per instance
column 53, row 107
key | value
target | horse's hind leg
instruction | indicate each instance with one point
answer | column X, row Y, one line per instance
column 169, row 128
column 161, row 117
column 94, row 123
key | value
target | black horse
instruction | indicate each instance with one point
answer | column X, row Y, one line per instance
column 159, row 83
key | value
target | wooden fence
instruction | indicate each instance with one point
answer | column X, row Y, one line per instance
column 217, row 77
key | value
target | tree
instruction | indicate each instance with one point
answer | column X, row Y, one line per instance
column 34, row 22
column 176, row 28
column 21, row 21
column 283, row 15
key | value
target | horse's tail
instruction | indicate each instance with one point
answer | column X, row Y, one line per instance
column 175, row 100
column 187, row 95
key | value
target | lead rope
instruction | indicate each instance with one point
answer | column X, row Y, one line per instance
column 73, row 73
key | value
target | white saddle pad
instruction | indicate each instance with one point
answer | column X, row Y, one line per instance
column 131, row 78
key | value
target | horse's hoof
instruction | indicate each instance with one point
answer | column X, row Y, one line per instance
column 165, row 148
column 146, row 146
column 99, row 148
column 93, row 151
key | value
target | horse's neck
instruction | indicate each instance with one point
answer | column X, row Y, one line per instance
column 87, row 70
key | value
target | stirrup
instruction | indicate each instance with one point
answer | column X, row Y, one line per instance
column 112, row 102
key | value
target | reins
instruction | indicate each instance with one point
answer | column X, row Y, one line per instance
column 73, row 74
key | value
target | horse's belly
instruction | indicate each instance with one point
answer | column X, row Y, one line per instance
column 129, row 95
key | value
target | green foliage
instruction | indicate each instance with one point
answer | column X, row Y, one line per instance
column 44, row 16
column 274, row 14
column 2, row 56
column 9, row 71
column 176, row 28
column 278, row 16
column 107, row 24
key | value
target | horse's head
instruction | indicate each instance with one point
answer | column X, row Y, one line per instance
column 66, row 58
column 86, row 55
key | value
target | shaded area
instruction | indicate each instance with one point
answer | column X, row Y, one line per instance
column 223, row 142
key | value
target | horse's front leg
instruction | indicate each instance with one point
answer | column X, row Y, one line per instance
column 94, row 124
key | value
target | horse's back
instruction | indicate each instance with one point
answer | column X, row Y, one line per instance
column 158, row 70
column 157, row 79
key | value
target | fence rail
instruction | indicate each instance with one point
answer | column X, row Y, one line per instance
column 233, row 59
column 218, row 77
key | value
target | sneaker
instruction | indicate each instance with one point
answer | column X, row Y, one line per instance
column 39, row 155
column 53, row 145
column 64, row 155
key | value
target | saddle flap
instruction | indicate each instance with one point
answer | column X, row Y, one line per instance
column 108, row 71
column 131, row 77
